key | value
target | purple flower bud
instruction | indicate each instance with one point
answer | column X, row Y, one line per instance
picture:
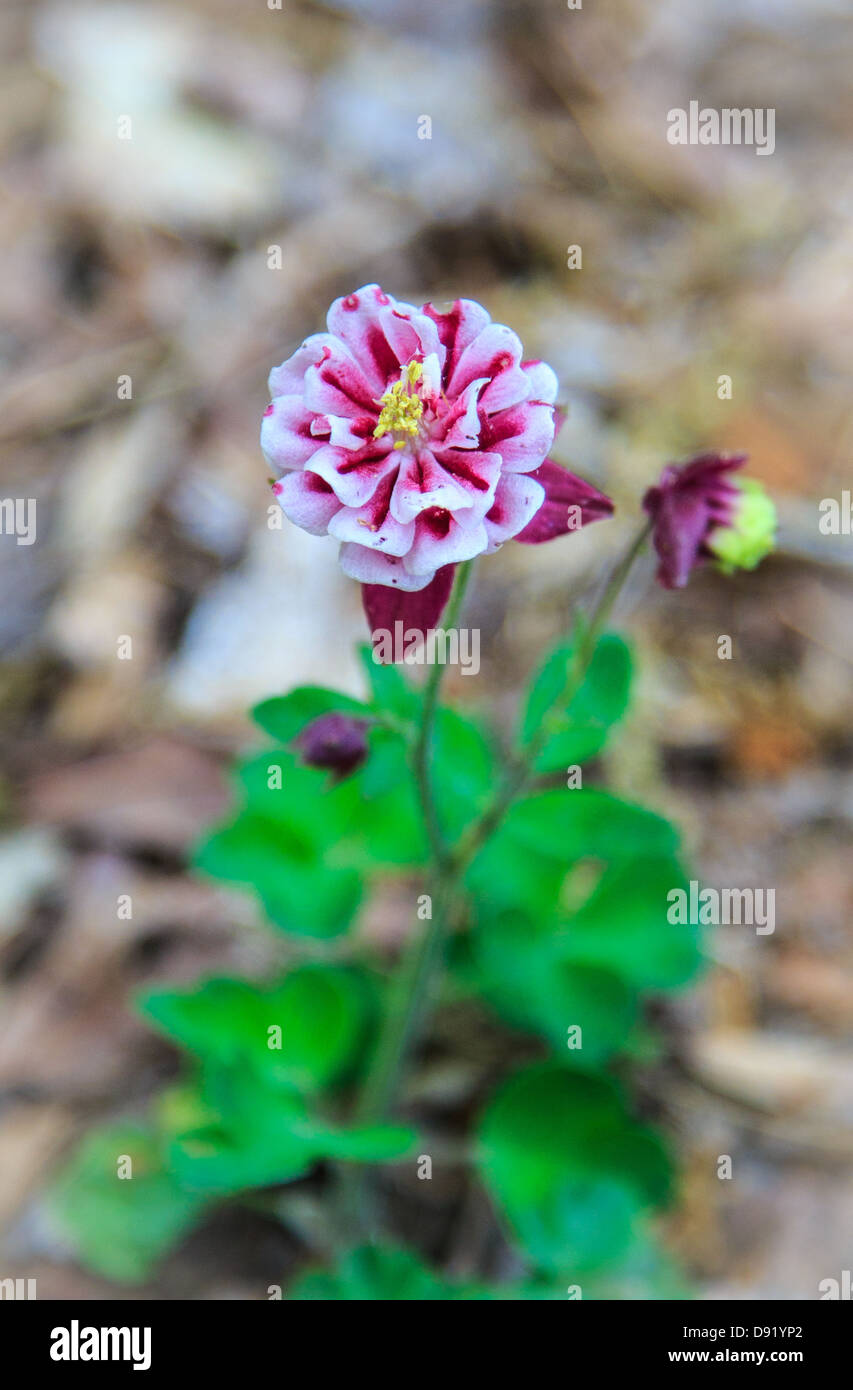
column 689, row 503
column 334, row 741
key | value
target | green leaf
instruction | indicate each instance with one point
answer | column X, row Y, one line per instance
column 265, row 1053
column 311, row 810
column 577, row 730
column 379, row 1143
column 121, row 1226
column 386, row 763
column 250, row 850
column 623, row 926
column 522, row 974
column 304, row 1032
column 304, row 843
column 265, row 1133
column 463, row 771
column 525, row 863
column 380, row 1274
column 316, row 902
column 644, row 1274
column 285, row 716
column 298, row 893
column 388, row 831
column 262, row 1136
column 569, row 1168
column 586, row 823
column 392, row 693
column 507, row 874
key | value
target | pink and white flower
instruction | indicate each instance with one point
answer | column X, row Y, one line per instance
column 418, row 439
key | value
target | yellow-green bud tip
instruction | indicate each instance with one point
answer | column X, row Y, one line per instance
column 751, row 534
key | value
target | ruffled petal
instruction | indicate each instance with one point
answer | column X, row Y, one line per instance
column 336, row 384
column 521, row 435
column 412, row 334
column 495, row 354
column 517, row 500
column 423, row 483
column 288, row 379
column 372, row 567
column 542, row 381
column 307, row 501
column 477, row 472
column 459, row 427
column 357, row 320
column 373, row 524
column 354, row 474
column 457, row 328
column 443, row 539
column 287, row 434
column 345, row 433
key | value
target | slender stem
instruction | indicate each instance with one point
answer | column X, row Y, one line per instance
column 420, row 760
column 412, row 983
column 522, row 771
column 409, row 997
column 603, row 606
column 411, row 988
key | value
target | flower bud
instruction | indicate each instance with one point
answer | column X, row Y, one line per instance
column 334, row 741
column 700, row 511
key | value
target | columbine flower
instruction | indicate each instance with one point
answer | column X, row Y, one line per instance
column 334, row 741
column 700, row 511
column 418, row 439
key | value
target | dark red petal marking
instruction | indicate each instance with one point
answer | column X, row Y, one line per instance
column 448, row 326
column 369, row 456
column 364, row 426
column 506, row 424
column 356, row 393
column 382, row 352
column 313, row 482
column 376, row 510
column 317, row 484
column 436, row 520
column 501, row 362
column 461, row 463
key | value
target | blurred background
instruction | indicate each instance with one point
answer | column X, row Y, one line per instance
column 274, row 162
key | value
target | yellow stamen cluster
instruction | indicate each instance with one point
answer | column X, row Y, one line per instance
column 402, row 407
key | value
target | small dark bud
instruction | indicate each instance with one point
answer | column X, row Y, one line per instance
column 334, row 741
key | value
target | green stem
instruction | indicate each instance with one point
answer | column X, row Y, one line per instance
column 411, row 986
column 420, row 758
column 603, row 606
column 409, row 998
column 412, row 983
column 522, row 771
